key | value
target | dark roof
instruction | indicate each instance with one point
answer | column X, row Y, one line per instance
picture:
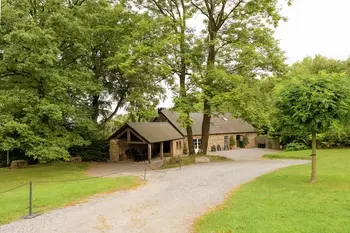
column 152, row 132
column 221, row 124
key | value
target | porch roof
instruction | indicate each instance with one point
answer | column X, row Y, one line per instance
column 152, row 132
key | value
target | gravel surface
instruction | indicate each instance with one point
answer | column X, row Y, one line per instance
column 169, row 202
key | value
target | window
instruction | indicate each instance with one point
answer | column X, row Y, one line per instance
column 177, row 145
column 180, row 146
column 195, row 143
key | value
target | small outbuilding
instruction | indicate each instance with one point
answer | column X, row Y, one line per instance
column 146, row 140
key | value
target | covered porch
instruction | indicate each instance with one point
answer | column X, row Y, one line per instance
column 144, row 141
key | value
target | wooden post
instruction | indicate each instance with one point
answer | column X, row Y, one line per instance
column 161, row 150
column 149, row 153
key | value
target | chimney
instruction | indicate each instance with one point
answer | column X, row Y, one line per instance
column 160, row 110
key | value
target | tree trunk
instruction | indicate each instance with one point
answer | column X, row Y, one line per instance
column 182, row 75
column 207, row 106
column 313, row 170
column 190, row 140
column 205, row 127
column 95, row 108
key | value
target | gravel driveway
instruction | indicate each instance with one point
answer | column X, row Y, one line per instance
column 169, row 202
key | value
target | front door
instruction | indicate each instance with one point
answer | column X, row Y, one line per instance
column 197, row 145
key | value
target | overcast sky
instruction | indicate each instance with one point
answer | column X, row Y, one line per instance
column 313, row 27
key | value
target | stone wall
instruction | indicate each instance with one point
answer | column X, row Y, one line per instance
column 177, row 150
column 251, row 139
column 219, row 140
column 113, row 150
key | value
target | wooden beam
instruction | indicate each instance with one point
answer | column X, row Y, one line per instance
column 161, row 150
column 133, row 142
column 149, row 153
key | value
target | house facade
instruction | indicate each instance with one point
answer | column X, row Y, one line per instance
column 222, row 127
column 165, row 136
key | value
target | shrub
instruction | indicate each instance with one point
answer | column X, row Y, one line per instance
column 97, row 151
column 218, row 147
column 295, row 146
column 174, row 160
column 232, row 141
column 213, row 148
column 245, row 140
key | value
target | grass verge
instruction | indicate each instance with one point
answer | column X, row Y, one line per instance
column 305, row 154
column 284, row 201
column 189, row 160
column 47, row 196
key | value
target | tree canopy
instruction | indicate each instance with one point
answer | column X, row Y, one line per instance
column 67, row 68
column 310, row 104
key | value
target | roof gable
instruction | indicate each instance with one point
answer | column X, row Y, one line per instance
column 152, row 132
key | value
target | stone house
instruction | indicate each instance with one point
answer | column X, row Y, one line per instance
column 221, row 129
column 165, row 136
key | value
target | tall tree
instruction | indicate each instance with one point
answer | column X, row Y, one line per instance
column 63, row 65
column 39, row 111
column 309, row 104
column 239, row 41
column 121, row 50
column 177, row 13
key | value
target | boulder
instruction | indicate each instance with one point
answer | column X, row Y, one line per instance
column 202, row 160
column 76, row 159
column 19, row 164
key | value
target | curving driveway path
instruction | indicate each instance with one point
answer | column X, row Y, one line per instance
column 168, row 203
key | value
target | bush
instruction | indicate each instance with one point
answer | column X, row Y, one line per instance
column 3, row 159
column 232, row 141
column 218, row 147
column 212, row 148
column 174, row 160
column 97, row 151
column 245, row 140
column 241, row 144
column 295, row 146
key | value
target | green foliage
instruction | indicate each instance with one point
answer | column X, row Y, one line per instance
column 295, row 146
column 97, row 151
column 232, row 141
column 218, row 147
column 241, row 144
column 317, row 64
column 245, row 140
column 311, row 103
column 66, row 67
column 213, row 148
column 190, row 160
column 237, row 46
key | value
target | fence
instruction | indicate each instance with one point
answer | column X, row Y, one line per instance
column 30, row 184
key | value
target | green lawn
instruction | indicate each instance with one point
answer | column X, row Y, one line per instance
column 284, row 201
column 189, row 160
column 48, row 196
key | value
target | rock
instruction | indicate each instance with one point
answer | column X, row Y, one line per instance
column 202, row 160
column 19, row 164
column 76, row 159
